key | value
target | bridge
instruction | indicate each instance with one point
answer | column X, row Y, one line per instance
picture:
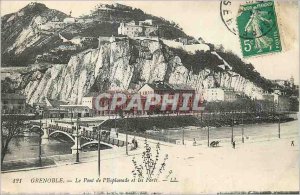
column 86, row 133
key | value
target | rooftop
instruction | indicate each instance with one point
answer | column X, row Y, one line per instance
column 181, row 87
column 56, row 103
column 94, row 94
column 160, row 86
column 75, row 106
column 169, row 87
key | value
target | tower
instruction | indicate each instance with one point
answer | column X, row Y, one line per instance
column 292, row 81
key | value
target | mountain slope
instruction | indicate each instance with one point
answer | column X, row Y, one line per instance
column 67, row 71
column 117, row 13
column 33, row 32
column 21, row 40
column 121, row 65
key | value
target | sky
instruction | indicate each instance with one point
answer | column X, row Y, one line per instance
column 203, row 19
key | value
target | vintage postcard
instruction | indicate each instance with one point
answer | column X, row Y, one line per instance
column 149, row 97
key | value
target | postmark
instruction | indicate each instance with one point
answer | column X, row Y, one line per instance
column 229, row 11
column 258, row 29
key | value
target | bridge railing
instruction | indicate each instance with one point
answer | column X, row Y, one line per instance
column 35, row 123
column 88, row 134
column 65, row 129
column 106, row 139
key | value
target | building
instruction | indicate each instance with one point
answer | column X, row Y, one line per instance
column 13, row 103
column 156, row 88
column 143, row 28
column 282, row 83
column 54, row 113
column 219, row 94
column 75, row 111
column 163, row 88
column 103, row 40
column 89, row 101
column 146, row 23
column 187, row 41
column 69, row 20
column 160, row 88
column 182, row 40
column 51, row 108
column 282, row 103
column 278, row 101
column 268, row 97
column 292, row 81
column 55, row 19
column 54, row 103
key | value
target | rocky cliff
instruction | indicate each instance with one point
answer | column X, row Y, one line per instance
column 119, row 65
column 21, row 37
column 63, row 61
column 33, row 34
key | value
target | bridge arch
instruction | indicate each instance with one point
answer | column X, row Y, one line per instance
column 36, row 127
column 58, row 131
column 96, row 142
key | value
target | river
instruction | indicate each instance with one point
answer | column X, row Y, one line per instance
column 27, row 146
column 257, row 131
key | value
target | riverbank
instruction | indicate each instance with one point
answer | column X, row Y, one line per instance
column 58, row 160
column 191, row 135
column 253, row 166
column 69, row 159
column 142, row 124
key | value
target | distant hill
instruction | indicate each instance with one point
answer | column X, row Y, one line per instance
column 25, row 40
column 36, row 34
column 19, row 41
column 117, row 13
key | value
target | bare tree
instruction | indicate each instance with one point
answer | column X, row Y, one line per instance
column 11, row 126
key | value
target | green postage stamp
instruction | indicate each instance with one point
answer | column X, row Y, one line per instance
column 258, row 29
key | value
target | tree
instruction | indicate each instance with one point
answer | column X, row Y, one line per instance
column 198, row 61
column 121, row 113
column 7, row 85
column 11, row 126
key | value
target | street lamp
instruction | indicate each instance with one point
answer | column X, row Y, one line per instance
column 208, row 121
column 182, row 135
column 278, row 125
column 232, row 123
column 242, row 128
column 126, row 129
column 116, row 122
column 77, row 134
column 99, row 139
column 278, row 108
column 201, row 114
column 40, row 144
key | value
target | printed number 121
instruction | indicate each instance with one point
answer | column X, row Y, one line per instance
column 18, row 180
